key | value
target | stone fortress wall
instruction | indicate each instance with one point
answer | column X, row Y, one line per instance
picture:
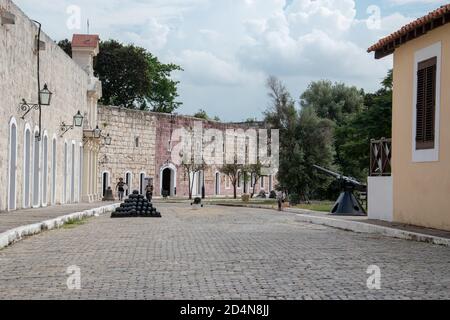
column 39, row 173
column 153, row 155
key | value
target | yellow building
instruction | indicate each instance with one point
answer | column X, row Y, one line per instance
column 421, row 119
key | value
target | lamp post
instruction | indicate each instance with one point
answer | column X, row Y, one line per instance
column 97, row 133
column 45, row 97
column 108, row 140
column 77, row 122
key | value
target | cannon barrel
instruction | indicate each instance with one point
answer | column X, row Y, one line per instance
column 349, row 180
column 328, row 172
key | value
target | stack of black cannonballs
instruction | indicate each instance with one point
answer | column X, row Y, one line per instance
column 136, row 206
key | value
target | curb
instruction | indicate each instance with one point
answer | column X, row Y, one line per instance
column 361, row 227
column 12, row 236
column 303, row 215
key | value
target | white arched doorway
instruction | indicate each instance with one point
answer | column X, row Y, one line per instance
column 129, row 183
column 65, row 173
column 27, row 167
column 12, row 165
column 142, row 184
column 53, row 188
column 197, row 183
column 80, row 173
column 106, row 182
column 45, row 170
column 217, row 184
column 168, row 180
column 36, row 170
column 72, row 173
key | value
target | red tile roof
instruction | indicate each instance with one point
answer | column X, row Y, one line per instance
column 85, row 40
column 441, row 13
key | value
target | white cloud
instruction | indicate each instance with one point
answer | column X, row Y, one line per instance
column 151, row 35
column 228, row 47
column 205, row 69
column 402, row 2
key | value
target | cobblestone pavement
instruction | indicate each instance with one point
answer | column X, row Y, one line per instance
column 220, row 253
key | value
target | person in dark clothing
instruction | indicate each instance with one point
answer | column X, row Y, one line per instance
column 121, row 186
column 149, row 192
column 280, row 199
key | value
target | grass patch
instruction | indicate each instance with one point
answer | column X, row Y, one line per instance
column 317, row 206
column 73, row 223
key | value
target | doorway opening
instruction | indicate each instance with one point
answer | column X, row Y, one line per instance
column 217, row 183
column 66, row 159
column 142, row 184
column 45, row 171
column 12, row 166
column 27, row 169
column 166, row 187
column 53, row 190
column 72, row 174
column 128, row 181
column 105, row 183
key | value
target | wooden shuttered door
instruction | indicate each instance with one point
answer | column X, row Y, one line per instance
column 426, row 104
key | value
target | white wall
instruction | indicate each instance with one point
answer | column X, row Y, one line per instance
column 380, row 198
column 18, row 80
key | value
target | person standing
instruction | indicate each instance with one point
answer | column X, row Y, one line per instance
column 280, row 199
column 121, row 188
column 149, row 192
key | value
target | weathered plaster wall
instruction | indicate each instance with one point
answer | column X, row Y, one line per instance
column 124, row 126
column 18, row 80
column 154, row 131
column 421, row 189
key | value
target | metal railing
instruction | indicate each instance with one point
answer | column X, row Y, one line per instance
column 380, row 158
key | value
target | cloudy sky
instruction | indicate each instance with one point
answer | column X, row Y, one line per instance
column 229, row 47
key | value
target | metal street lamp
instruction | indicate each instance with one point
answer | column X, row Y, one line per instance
column 78, row 119
column 108, row 140
column 46, row 96
column 97, row 133
column 77, row 122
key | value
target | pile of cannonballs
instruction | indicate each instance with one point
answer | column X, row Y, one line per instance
column 136, row 206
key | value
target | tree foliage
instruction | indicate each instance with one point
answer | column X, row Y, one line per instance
column 332, row 101
column 202, row 114
column 133, row 78
column 332, row 128
column 255, row 172
column 305, row 139
column 354, row 135
column 232, row 172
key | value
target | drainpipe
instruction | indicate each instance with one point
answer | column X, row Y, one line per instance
column 38, row 137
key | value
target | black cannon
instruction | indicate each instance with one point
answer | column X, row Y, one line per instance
column 347, row 204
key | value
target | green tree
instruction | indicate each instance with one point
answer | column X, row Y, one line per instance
column 201, row 114
column 66, row 45
column 133, row 78
column 232, row 172
column 354, row 135
column 255, row 171
column 333, row 101
column 305, row 140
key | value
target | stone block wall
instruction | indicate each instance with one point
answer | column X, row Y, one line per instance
column 18, row 80
column 125, row 154
column 153, row 156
